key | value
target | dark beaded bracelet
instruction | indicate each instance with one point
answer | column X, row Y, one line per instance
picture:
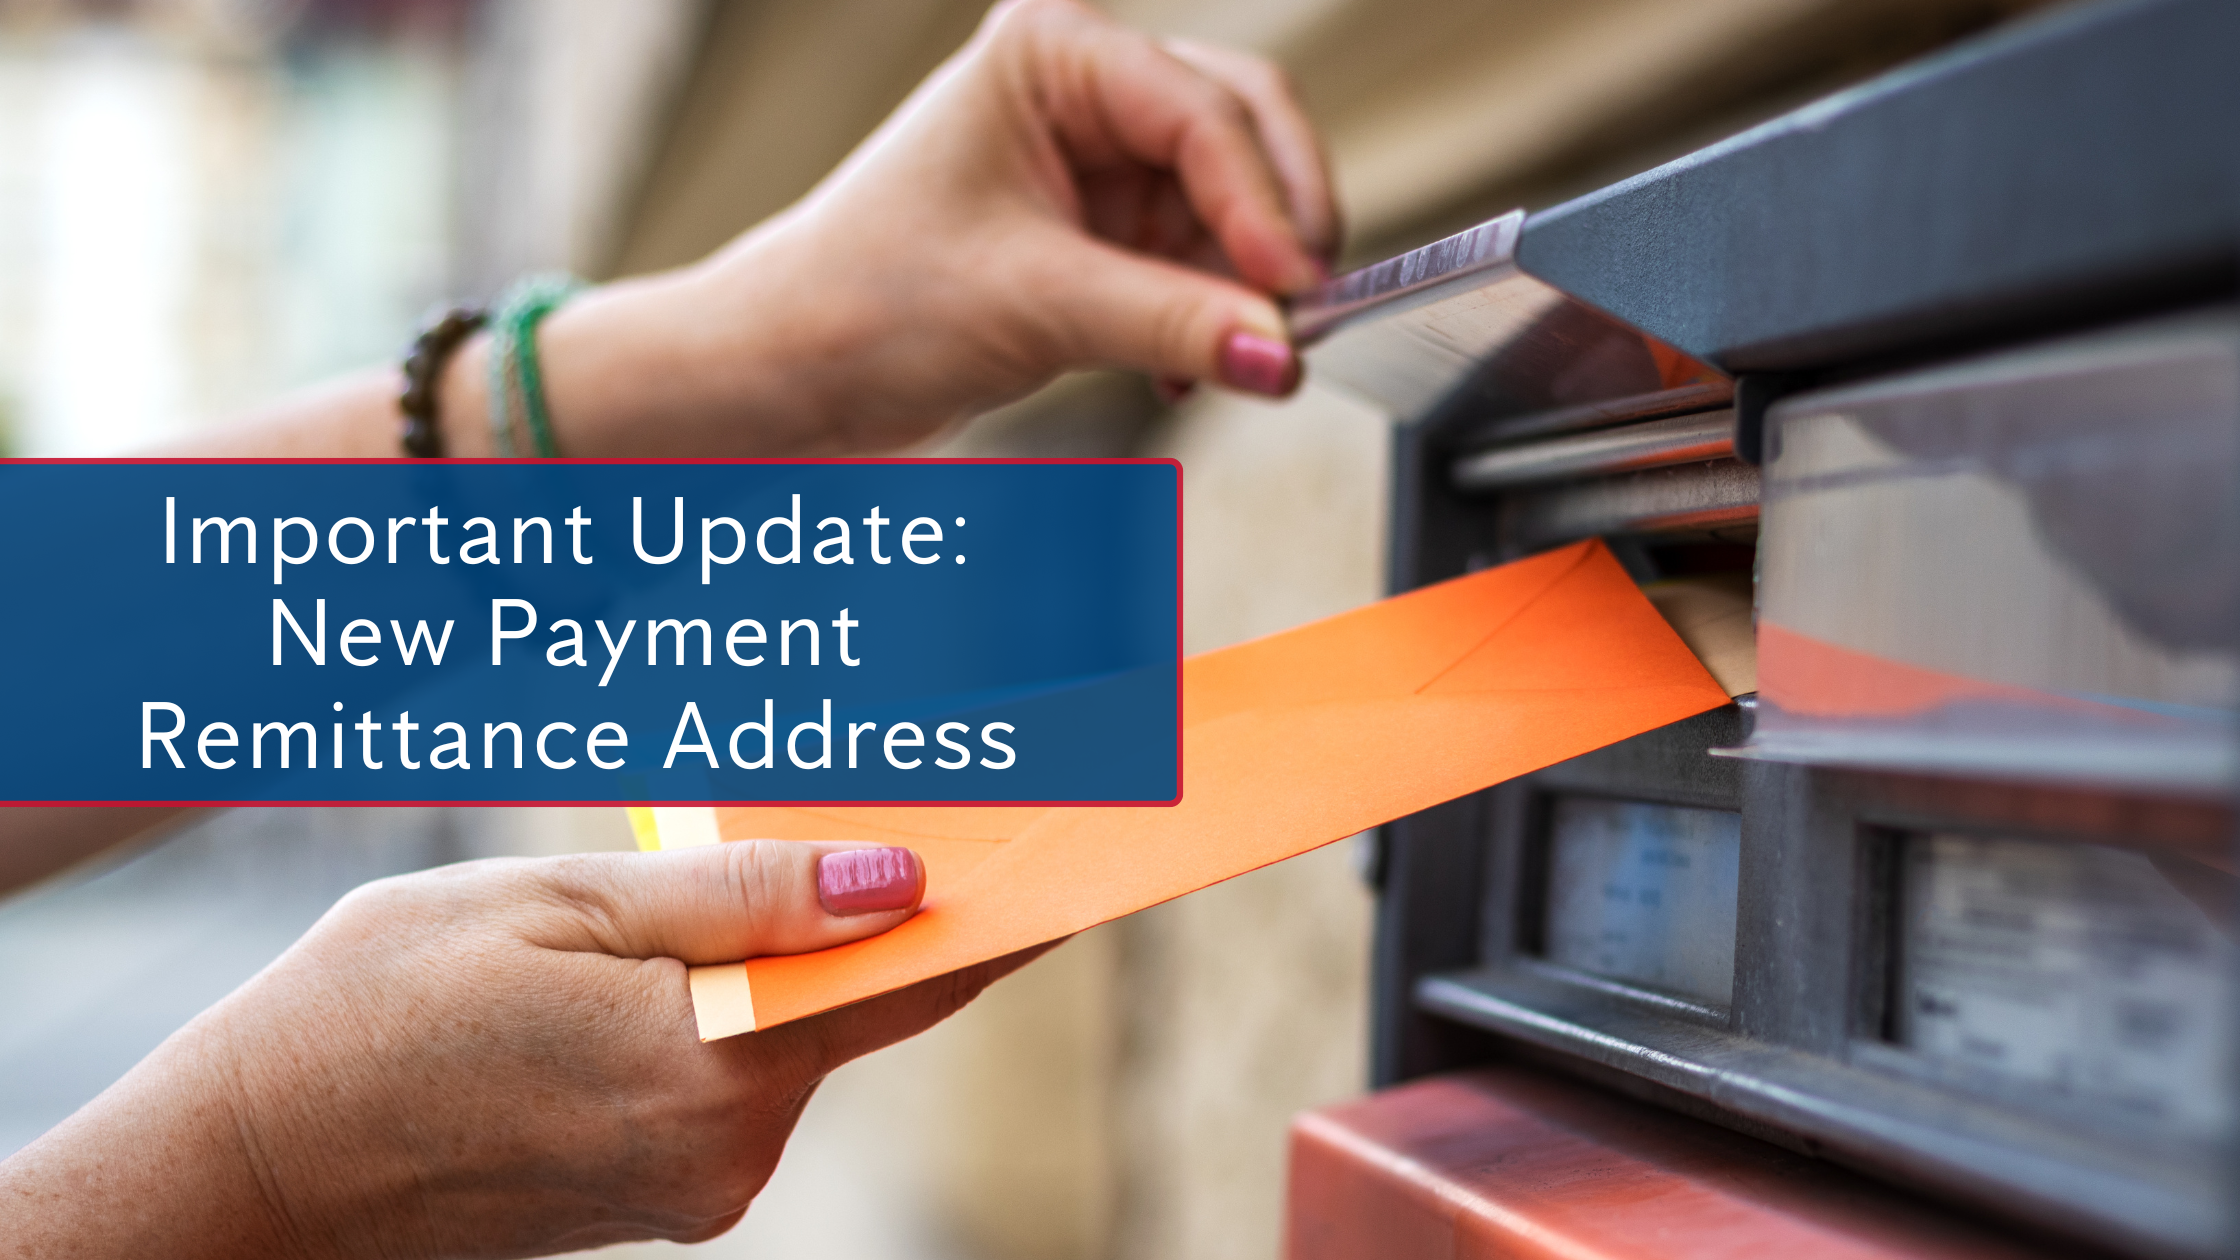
column 431, row 349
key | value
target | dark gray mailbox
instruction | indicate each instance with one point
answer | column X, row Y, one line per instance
column 1944, row 373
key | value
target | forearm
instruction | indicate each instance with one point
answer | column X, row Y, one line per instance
column 721, row 359
column 157, row 1165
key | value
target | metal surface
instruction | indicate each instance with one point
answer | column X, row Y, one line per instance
column 1987, row 806
column 2016, row 565
column 1810, row 1048
column 1655, row 444
column 1470, row 259
column 1456, row 323
column 1715, row 499
column 2063, row 169
column 2112, row 1192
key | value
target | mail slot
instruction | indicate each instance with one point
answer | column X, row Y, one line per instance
column 1946, row 897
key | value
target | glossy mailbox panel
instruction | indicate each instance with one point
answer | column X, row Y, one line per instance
column 2017, row 565
column 1458, row 323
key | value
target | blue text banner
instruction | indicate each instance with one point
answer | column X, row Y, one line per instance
column 587, row 631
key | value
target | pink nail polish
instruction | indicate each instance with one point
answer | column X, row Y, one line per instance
column 862, row 881
column 1259, row 364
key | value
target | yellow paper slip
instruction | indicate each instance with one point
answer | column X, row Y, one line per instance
column 1289, row 742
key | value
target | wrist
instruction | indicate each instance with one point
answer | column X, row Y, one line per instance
column 631, row 368
column 463, row 399
column 698, row 361
column 164, row 1162
column 321, row 1131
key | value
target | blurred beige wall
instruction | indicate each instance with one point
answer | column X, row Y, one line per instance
column 782, row 90
column 560, row 98
column 1127, row 1097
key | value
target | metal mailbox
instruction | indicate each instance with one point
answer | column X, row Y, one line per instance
column 1942, row 376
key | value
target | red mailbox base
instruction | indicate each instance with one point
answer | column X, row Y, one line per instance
column 1510, row 1163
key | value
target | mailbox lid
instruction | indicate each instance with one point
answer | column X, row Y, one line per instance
column 2016, row 565
column 2074, row 162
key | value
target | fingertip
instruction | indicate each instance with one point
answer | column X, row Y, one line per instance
column 1171, row 321
column 1259, row 364
column 707, row 1231
column 1260, row 317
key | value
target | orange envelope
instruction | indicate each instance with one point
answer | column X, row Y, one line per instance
column 1289, row 742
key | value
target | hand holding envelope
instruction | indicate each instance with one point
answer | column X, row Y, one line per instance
column 1289, row 742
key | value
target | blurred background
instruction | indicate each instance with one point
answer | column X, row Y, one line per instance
column 206, row 202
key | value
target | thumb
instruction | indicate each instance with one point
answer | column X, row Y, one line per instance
column 1172, row 321
column 725, row 902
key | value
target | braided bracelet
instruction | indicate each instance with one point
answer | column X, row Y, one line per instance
column 432, row 347
column 516, row 373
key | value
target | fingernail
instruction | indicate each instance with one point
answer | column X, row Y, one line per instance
column 1262, row 365
column 862, row 881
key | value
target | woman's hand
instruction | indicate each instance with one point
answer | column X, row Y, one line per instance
column 1062, row 193
column 497, row 1058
